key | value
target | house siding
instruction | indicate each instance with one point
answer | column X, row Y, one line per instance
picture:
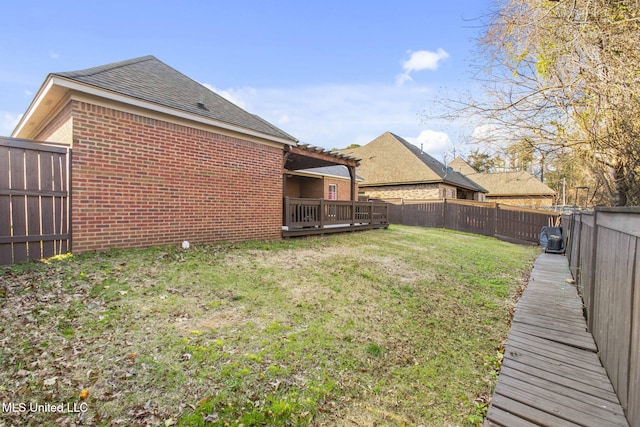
column 60, row 129
column 408, row 191
column 140, row 181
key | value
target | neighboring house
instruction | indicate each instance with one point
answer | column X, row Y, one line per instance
column 159, row 158
column 511, row 188
column 329, row 182
column 393, row 168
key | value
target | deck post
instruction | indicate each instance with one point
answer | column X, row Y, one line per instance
column 319, row 216
column 352, row 175
column 287, row 211
column 353, row 212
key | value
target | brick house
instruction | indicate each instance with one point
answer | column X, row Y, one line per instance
column 159, row 158
column 393, row 168
column 329, row 182
column 517, row 188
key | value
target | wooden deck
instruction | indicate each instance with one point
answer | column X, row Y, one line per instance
column 303, row 217
column 551, row 374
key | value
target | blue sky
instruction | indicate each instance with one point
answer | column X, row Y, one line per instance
column 330, row 73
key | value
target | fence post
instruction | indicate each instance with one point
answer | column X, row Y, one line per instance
column 69, row 204
column 574, row 254
column 567, row 233
column 321, row 216
column 594, row 259
column 444, row 213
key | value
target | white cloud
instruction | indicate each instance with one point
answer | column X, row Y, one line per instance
column 8, row 122
column 284, row 119
column 418, row 61
column 229, row 94
column 492, row 137
column 54, row 55
column 433, row 142
column 335, row 116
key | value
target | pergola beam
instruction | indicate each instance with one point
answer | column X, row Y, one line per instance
column 304, row 156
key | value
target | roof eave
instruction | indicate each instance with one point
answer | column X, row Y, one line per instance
column 37, row 101
column 387, row 184
column 476, row 188
column 309, row 173
column 72, row 85
column 521, row 194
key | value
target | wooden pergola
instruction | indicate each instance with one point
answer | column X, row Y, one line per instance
column 305, row 156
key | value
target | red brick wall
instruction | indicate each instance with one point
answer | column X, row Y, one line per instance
column 344, row 188
column 317, row 188
column 140, row 182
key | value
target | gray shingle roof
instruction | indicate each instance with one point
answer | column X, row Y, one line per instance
column 148, row 79
column 512, row 184
column 337, row 170
column 454, row 178
column 391, row 160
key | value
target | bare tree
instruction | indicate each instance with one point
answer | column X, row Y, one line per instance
column 564, row 77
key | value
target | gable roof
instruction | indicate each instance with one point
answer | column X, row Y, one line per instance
column 459, row 165
column 520, row 183
column 391, row 160
column 153, row 83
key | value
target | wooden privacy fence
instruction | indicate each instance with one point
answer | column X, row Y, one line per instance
column 510, row 223
column 34, row 200
column 604, row 257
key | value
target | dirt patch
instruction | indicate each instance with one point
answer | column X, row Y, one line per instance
column 227, row 318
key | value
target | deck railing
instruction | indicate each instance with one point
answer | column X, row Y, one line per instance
column 320, row 213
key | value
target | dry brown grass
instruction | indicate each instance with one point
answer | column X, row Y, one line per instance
column 387, row 327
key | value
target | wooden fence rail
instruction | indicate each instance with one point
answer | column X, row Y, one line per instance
column 34, row 200
column 510, row 223
column 603, row 249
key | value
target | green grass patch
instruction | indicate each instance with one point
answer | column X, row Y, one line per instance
column 386, row 327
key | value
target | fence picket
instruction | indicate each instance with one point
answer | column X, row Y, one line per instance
column 34, row 200
column 489, row 219
column 604, row 253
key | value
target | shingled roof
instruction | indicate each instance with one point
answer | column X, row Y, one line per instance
column 391, row 160
column 503, row 184
column 150, row 80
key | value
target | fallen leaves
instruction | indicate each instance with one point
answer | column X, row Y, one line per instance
column 141, row 335
column 50, row 381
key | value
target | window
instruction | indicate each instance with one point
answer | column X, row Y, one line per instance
column 333, row 192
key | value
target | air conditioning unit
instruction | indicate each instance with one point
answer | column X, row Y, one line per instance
column 551, row 240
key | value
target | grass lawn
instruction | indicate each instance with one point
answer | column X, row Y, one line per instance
column 387, row 327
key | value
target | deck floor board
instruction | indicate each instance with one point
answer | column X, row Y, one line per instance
column 551, row 374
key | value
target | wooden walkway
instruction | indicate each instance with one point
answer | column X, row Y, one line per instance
column 551, row 374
